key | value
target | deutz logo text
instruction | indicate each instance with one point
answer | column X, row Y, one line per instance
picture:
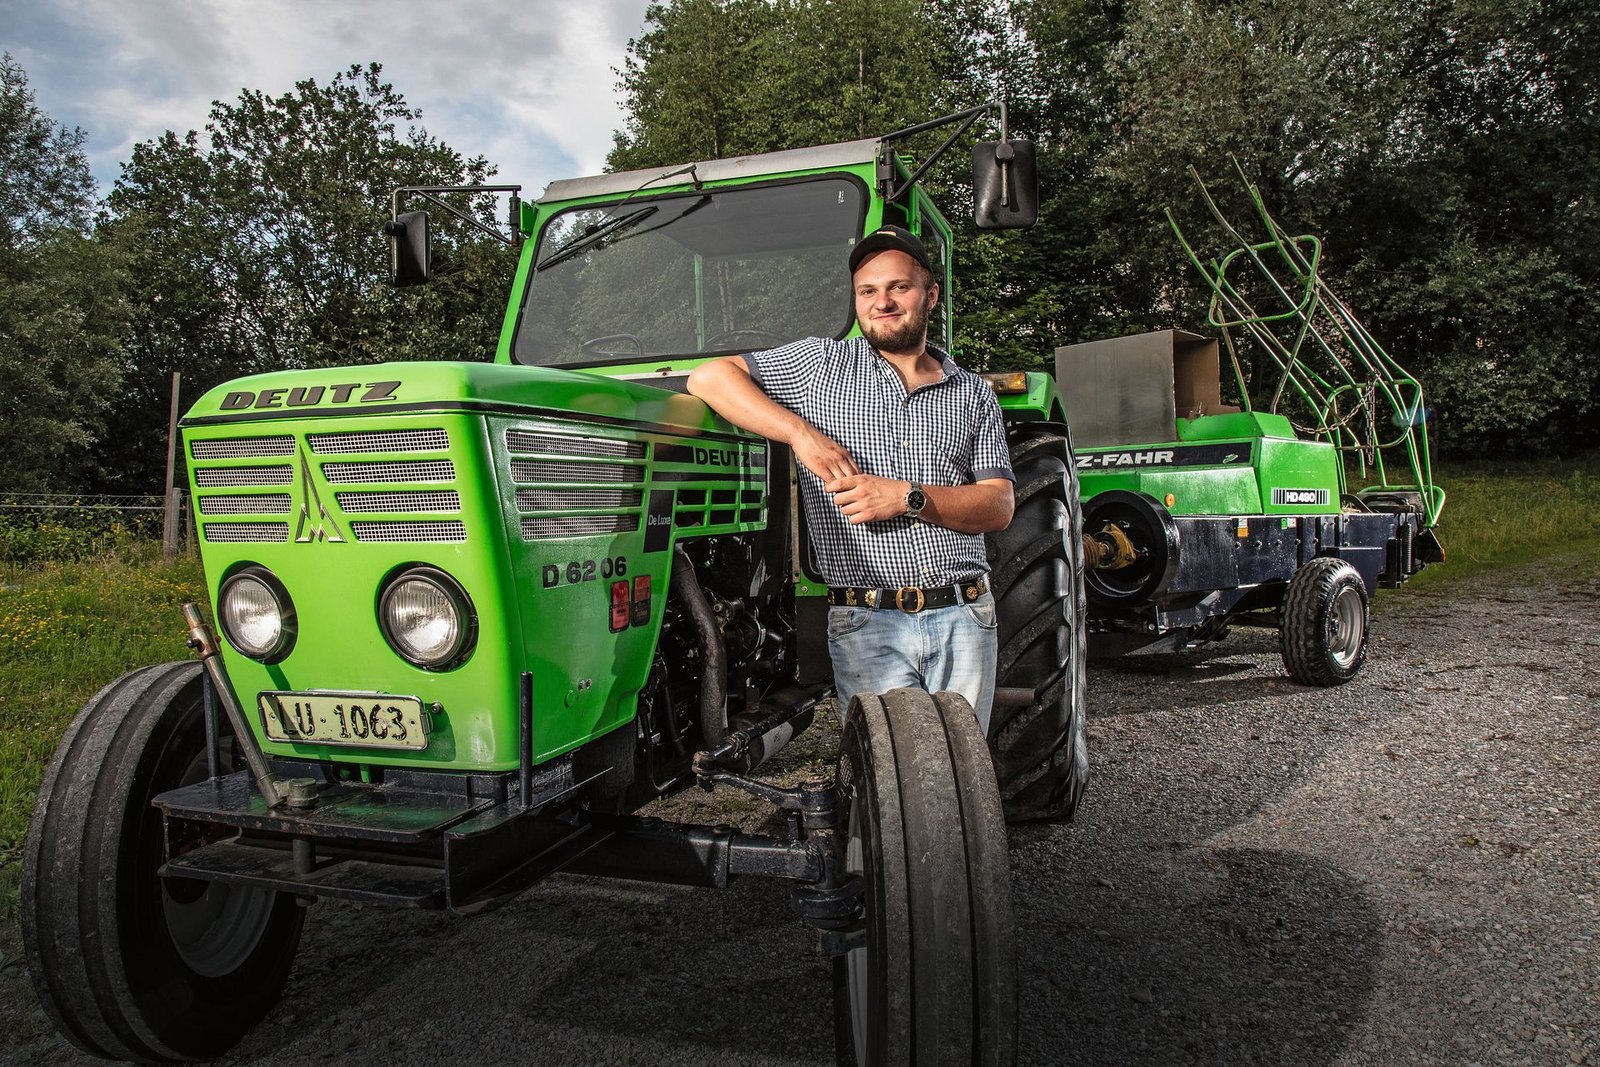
column 307, row 396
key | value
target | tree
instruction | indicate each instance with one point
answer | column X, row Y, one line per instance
column 716, row 78
column 61, row 309
column 258, row 246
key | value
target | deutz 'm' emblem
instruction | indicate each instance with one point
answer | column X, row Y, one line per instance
column 321, row 528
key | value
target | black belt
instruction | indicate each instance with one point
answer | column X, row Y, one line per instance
column 908, row 598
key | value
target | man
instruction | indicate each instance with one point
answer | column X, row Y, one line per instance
column 904, row 467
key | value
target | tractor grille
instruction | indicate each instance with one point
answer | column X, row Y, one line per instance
column 550, row 444
column 324, row 444
column 445, row 500
column 243, row 448
column 584, row 475
column 569, row 499
column 578, row 526
column 528, row 470
column 379, row 471
column 452, row 532
column 257, row 504
column 232, row 476
column 437, row 470
column 246, row 531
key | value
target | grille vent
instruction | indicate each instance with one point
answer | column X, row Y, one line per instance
column 325, row 444
column 531, row 470
column 564, row 499
column 257, row 504
column 437, row 532
column 438, row 470
column 218, row 532
column 445, row 500
column 242, row 448
column 527, row 441
column 230, row 476
column 577, row 526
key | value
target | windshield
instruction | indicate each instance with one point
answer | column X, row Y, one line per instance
column 729, row 270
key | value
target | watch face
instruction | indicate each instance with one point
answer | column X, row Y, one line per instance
column 916, row 500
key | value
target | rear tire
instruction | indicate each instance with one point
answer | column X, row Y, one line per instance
column 1323, row 635
column 922, row 824
column 129, row 965
column 1041, row 758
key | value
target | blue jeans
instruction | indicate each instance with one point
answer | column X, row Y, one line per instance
column 954, row 648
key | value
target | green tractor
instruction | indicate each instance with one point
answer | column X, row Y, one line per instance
column 1288, row 510
column 470, row 618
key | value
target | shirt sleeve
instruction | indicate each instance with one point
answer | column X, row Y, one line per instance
column 991, row 456
column 784, row 373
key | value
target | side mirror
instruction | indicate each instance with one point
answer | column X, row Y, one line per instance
column 1005, row 185
column 410, row 248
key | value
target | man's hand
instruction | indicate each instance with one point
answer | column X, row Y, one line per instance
column 868, row 498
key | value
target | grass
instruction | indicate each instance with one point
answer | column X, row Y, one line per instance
column 66, row 629
column 1501, row 513
column 78, row 610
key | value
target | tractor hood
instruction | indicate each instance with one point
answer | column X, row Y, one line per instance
column 467, row 387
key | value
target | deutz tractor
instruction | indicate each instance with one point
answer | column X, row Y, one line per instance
column 471, row 617
column 1287, row 510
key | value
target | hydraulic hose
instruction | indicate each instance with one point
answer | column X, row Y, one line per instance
column 714, row 672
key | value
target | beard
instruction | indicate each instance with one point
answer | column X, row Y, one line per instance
column 912, row 333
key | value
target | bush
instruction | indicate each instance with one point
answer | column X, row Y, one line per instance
column 72, row 533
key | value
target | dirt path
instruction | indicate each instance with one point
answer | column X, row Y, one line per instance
column 1398, row 871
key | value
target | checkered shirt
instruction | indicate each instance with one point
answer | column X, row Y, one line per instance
column 945, row 433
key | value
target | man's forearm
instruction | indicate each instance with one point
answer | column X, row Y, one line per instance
column 726, row 385
column 734, row 395
column 975, row 508
column 981, row 507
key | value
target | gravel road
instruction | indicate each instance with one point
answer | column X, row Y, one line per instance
column 1397, row 871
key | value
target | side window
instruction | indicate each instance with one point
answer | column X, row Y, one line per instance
column 939, row 253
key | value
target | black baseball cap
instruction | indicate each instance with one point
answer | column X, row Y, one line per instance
column 886, row 238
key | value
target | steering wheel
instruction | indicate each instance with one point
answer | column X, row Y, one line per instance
column 599, row 344
column 729, row 338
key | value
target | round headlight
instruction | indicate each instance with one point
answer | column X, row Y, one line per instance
column 256, row 614
column 426, row 617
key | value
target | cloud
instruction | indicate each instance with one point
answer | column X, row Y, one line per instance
column 532, row 87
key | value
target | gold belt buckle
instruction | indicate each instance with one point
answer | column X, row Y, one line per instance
column 900, row 599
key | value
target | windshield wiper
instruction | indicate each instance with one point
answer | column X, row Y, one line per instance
column 589, row 238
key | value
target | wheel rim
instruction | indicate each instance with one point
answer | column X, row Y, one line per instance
column 1347, row 626
column 855, row 961
column 216, row 931
column 214, row 927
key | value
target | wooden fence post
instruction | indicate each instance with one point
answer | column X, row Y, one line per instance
column 169, row 522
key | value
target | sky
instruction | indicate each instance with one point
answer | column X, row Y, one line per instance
column 529, row 85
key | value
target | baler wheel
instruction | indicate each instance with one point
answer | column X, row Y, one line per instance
column 1323, row 635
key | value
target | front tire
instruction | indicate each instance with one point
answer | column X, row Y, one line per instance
column 129, row 965
column 922, row 825
column 1323, row 633
column 1041, row 757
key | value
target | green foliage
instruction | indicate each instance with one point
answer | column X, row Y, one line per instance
column 45, row 184
column 710, row 79
column 258, row 245
column 83, row 531
column 62, row 314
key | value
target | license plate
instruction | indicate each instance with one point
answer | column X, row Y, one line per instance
column 369, row 720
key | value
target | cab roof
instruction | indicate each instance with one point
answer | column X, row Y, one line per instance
column 821, row 157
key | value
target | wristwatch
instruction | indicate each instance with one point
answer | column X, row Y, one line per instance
column 916, row 500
